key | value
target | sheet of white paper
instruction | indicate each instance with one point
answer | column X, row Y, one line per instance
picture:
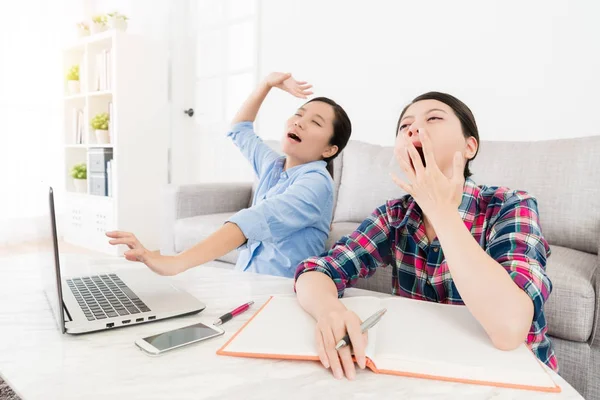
column 446, row 340
column 284, row 328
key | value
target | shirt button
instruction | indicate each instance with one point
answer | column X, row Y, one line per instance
column 436, row 249
column 428, row 282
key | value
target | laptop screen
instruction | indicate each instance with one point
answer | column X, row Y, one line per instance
column 48, row 262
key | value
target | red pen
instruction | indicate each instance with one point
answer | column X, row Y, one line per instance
column 226, row 317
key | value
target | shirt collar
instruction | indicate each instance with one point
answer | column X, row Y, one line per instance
column 280, row 163
column 467, row 209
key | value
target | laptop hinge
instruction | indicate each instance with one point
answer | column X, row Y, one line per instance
column 67, row 314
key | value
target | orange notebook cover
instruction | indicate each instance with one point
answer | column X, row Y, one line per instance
column 414, row 338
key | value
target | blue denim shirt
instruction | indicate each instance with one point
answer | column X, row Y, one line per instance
column 291, row 210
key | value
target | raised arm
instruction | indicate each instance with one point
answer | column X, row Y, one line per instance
column 242, row 128
column 283, row 81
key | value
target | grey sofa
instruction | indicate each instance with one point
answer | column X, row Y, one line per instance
column 564, row 175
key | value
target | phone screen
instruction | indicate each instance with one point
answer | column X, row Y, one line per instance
column 193, row 333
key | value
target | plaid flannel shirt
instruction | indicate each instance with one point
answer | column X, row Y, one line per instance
column 504, row 222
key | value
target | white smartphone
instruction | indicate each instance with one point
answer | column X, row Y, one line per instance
column 162, row 342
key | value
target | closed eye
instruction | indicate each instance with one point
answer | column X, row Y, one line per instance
column 298, row 115
column 403, row 126
column 432, row 118
column 319, row 125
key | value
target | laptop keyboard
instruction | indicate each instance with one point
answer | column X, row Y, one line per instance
column 105, row 296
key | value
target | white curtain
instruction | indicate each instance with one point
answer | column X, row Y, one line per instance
column 32, row 34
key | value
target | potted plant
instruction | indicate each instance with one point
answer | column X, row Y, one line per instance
column 117, row 21
column 79, row 174
column 83, row 29
column 98, row 23
column 73, row 86
column 100, row 125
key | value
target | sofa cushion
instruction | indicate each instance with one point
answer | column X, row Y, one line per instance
column 381, row 281
column 365, row 183
column 562, row 174
column 571, row 305
column 339, row 229
column 190, row 231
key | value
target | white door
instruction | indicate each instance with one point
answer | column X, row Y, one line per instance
column 214, row 66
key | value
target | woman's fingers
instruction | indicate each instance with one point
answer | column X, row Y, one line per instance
column 346, row 356
column 358, row 341
column 332, row 354
column 408, row 170
column 131, row 243
column 321, row 348
column 403, row 185
column 302, row 93
column 415, row 158
column 118, row 234
column 344, row 353
column 134, row 254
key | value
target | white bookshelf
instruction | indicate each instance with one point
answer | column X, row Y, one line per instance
column 138, row 138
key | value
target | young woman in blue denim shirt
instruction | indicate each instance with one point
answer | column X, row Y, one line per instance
column 293, row 205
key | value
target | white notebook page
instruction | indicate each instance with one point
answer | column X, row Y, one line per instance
column 446, row 340
column 284, row 328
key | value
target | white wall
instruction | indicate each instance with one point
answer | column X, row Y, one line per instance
column 529, row 70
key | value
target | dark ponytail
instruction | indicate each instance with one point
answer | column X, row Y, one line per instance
column 330, row 167
column 342, row 129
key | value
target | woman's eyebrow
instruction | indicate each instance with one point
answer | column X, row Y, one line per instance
column 433, row 109
column 437, row 109
column 317, row 115
column 321, row 118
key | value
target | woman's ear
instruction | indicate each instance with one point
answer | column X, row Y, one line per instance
column 330, row 152
column 471, row 148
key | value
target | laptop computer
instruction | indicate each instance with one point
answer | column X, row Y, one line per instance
column 84, row 304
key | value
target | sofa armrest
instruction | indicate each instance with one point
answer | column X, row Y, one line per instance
column 595, row 337
column 184, row 201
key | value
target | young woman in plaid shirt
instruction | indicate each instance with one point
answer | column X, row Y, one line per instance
column 448, row 241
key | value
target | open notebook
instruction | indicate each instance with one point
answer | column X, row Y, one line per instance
column 414, row 338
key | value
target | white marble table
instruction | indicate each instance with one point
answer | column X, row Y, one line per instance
column 40, row 363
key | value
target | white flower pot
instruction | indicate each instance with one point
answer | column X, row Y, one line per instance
column 117, row 23
column 102, row 136
column 80, row 185
column 73, row 87
column 97, row 28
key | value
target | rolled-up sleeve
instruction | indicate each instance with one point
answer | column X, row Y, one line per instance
column 357, row 255
column 301, row 205
column 516, row 243
column 252, row 147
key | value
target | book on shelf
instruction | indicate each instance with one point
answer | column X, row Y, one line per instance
column 110, row 116
column 109, row 178
column 77, row 126
column 103, row 70
column 107, row 68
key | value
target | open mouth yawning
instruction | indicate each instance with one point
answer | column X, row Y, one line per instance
column 295, row 137
column 421, row 154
